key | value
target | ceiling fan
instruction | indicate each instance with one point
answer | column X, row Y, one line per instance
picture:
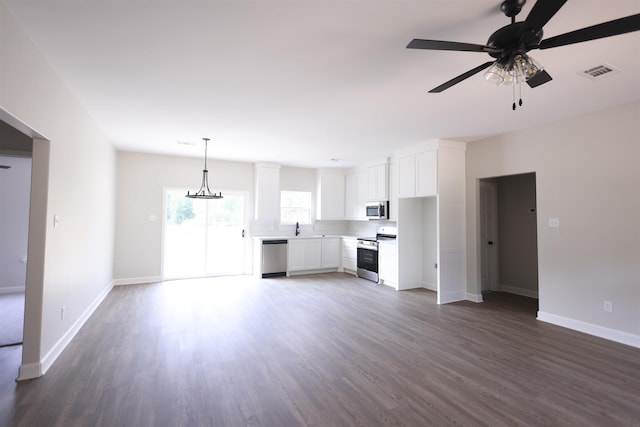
column 509, row 45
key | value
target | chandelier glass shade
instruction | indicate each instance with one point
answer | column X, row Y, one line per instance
column 519, row 68
column 204, row 192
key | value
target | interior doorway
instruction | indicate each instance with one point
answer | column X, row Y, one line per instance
column 15, row 188
column 16, row 150
column 204, row 238
column 508, row 235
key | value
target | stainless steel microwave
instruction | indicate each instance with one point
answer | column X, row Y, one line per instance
column 378, row 210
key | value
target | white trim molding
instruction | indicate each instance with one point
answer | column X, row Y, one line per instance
column 445, row 298
column 12, row 290
column 591, row 329
column 519, row 291
column 430, row 286
column 474, row 297
column 136, row 280
column 29, row 371
column 34, row 370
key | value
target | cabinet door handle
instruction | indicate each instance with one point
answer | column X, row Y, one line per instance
column 243, row 233
column 490, row 242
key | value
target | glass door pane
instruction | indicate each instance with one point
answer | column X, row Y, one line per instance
column 225, row 243
column 203, row 237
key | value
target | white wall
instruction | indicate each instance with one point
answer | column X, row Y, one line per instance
column 73, row 177
column 15, row 187
column 298, row 179
column 141, row 181
column 588, row 176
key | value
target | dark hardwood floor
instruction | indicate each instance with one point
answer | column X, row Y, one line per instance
column 324, row 350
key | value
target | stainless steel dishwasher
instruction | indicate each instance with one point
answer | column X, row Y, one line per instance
column 274, row 258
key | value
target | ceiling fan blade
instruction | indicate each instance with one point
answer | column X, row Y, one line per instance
column 541, row 13
column 539, row 79
column 446, row 45
column 460, row 78
column 606, row 29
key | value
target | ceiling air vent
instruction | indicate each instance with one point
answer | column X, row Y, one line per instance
column 597, row 72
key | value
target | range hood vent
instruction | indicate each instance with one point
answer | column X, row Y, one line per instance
column 599, row 71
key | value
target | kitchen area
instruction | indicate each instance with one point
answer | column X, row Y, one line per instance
column 343, row 233
column 360, row 256
column 398, row 222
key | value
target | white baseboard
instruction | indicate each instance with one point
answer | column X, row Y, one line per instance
column 12, row 290
column 474, row 297
column 349, row 271
column 591, row 329
column 302, row 272
column 519, row 291
column 468, row 296
column 445, row 298
column 34, row 370
column 136, row 280
column 29, row 371
column 430, row 286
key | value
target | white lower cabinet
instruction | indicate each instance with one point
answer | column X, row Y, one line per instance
column 304, row 254
column 388, row 263
column 349, row 254
column 331, row 252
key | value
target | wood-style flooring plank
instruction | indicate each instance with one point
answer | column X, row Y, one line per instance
column 324, row 350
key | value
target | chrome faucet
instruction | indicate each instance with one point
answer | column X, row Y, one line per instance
column 297, row 229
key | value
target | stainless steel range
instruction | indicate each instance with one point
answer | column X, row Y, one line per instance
column 367, row 262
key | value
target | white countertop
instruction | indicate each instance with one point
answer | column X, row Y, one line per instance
column 313, row 236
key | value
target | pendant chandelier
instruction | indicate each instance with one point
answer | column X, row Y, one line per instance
column 204, row 192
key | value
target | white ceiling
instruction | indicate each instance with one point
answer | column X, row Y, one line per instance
column 300, row 82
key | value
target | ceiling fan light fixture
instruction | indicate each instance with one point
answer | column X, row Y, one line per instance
column 495, row 73
column 522, row 67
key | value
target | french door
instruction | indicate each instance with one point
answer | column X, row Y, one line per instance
column 204, row 237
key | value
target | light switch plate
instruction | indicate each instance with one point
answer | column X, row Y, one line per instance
column 554, row 222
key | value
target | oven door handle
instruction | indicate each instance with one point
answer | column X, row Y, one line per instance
column 367, row 248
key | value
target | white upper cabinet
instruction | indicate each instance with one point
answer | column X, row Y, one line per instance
column 418, row 174
column 267, row 191
column 407, row 176
column 356, row 193
column 378, row 183
column 427, row 173
column 330, row 195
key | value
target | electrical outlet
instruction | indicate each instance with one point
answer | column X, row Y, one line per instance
column 608, row 306
column 62, row 312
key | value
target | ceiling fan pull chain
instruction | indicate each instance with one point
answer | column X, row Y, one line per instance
column 513, row 87
column 520, row 89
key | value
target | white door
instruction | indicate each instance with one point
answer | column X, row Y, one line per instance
column 204, row 237
column 489, row 236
